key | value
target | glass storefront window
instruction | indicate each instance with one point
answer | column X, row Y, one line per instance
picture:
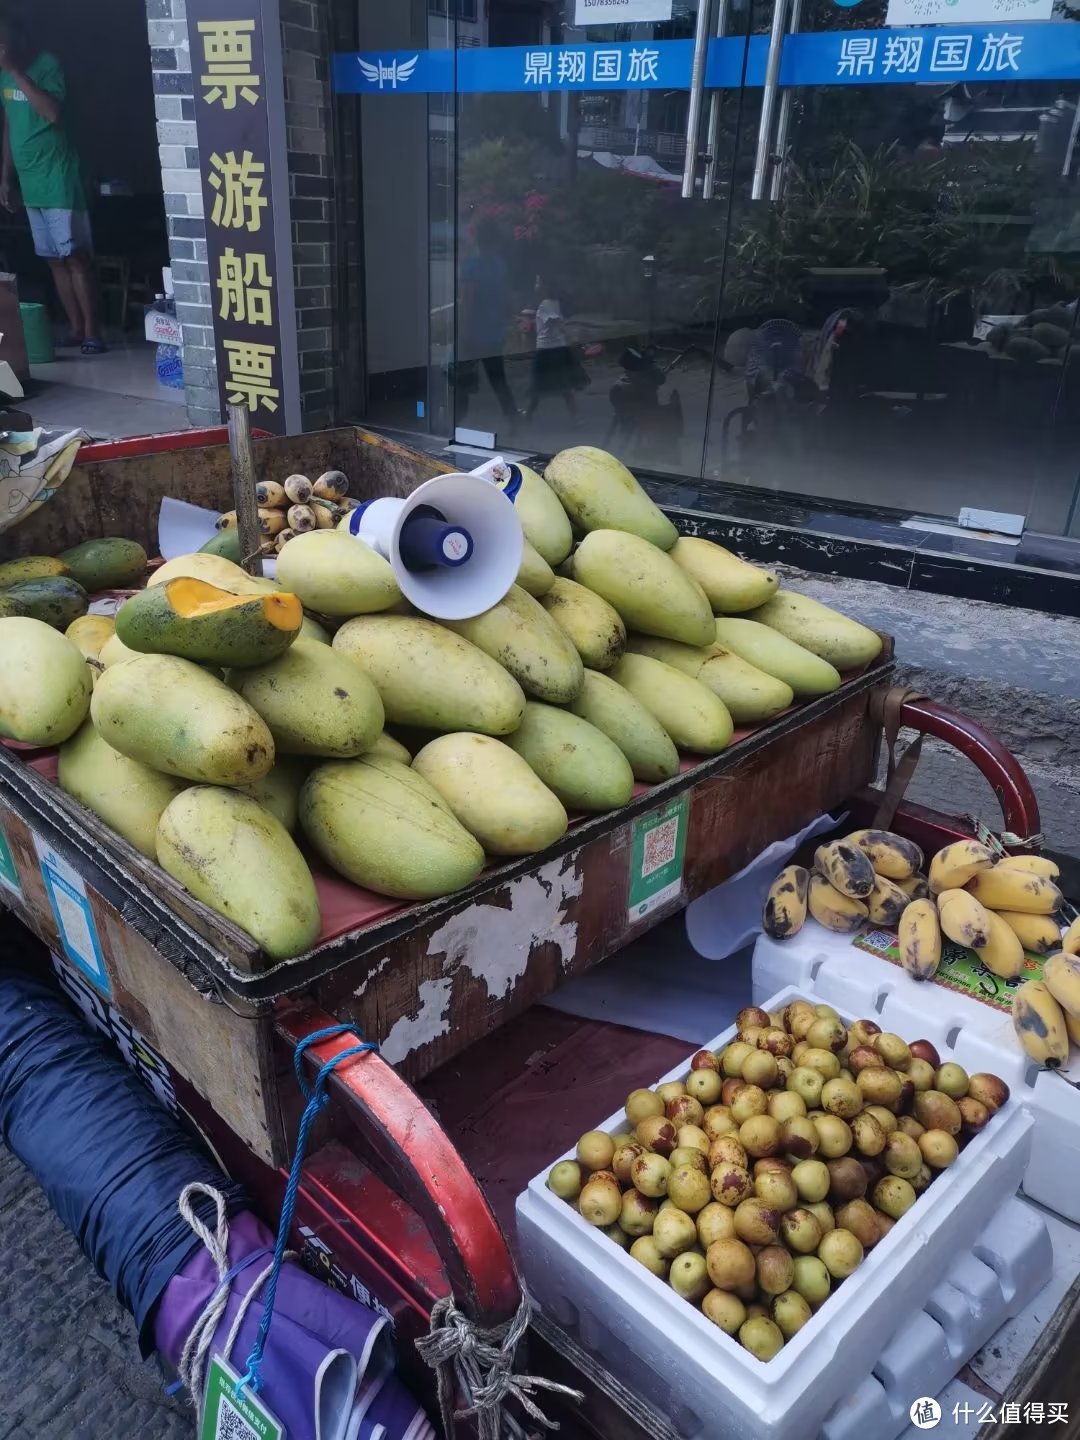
column 829, row 250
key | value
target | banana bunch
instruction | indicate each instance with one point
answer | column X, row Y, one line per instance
column 870, row 875
column 1046, row 1013
column 297, row 506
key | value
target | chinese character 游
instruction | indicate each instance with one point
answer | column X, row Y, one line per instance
column 227, row 55
column 251, row 369
column 245, row 284
column 239, row 201
column 857, row 55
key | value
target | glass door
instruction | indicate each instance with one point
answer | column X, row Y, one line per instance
column 898, row 318
column 592, row 168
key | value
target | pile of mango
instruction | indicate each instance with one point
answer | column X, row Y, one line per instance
column 221, row 714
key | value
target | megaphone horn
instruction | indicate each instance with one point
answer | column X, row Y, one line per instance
column 455, row 544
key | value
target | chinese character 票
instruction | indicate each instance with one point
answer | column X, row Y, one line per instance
column 1000, row 52
column 239, row 202
column 950, row 53
column 1059, row 1412
column 571, row 69
column 245, row 284
column 607, row 66
column 643, row 65
column 227, row 55
column 857, row 55
column 538, row 67
column 251, row 369
column 903, row 53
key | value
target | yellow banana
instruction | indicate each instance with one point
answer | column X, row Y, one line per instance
column 1071, row 941
column 1033, row 864
column 1072, row 1025
column 1040, row 1025
column 915, row 887
column 846, row 868
column 785, row 904
column 890, row 855
column 1002, row 953
column 963, row 919
column 831, row 908
column 1061, row 976
column 1038, row 934
column 953, row 867
column 886, row 903
column 919, row 939
column 1004, row 889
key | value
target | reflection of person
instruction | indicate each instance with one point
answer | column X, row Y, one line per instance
column 38, row 151
column 556, row 369
column 486, row 307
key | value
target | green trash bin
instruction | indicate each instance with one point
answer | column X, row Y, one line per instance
column 37, row 333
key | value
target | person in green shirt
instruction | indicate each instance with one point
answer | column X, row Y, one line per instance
column 39, row 153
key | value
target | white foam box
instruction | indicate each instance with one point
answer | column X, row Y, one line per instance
column 976, row 1036
column 704, row 1381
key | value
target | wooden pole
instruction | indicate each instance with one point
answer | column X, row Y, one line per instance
column 243, row 471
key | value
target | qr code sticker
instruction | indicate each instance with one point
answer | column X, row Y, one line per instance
column 231, row 1425
column 660, row 845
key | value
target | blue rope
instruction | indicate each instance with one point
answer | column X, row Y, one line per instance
column 316, row 1096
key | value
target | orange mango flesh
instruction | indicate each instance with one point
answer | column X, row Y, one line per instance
column 191, row 598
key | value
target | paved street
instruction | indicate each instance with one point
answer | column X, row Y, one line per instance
column 69, row 1362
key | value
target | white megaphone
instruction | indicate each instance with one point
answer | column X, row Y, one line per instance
column 455, row 544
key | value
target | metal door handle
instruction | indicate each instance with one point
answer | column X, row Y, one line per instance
column 712, row 134
column 784, row 122
column 768, row 100
column 697, row 91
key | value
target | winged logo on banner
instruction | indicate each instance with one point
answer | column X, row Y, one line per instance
column 398, row 72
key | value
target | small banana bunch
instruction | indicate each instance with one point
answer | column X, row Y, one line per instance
column 297, row 506
column 868, row 875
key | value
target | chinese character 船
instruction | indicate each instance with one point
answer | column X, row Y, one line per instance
column 227, row 55
column 239, row 201
column 251, row 369
column 951, row 54
column 903, row 53
column 245, row 284
column 538, row 67
column 571, row 69
column 607, row 67
column 643, row 65
column 857, row 55
column 1000, row 52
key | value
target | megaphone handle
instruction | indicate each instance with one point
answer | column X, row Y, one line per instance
column 426, row 542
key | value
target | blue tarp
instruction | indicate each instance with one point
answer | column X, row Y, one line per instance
column 110, row 1160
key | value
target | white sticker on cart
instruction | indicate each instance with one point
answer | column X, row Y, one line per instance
column 71, row 908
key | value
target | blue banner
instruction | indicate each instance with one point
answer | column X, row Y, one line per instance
column 943, row 54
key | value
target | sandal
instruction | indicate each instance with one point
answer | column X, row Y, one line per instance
column 92, row 347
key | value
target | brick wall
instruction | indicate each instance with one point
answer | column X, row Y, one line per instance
column 305, row 40
column 309, row 140
column 178, row 148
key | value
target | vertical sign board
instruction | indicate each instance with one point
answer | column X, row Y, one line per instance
column 240, row 116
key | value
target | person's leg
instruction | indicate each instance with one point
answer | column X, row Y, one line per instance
column 45, row 246
column 71, row 234
column 495, row 370
column 61, row 273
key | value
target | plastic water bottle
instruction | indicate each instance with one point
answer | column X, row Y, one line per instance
column 170, row 366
